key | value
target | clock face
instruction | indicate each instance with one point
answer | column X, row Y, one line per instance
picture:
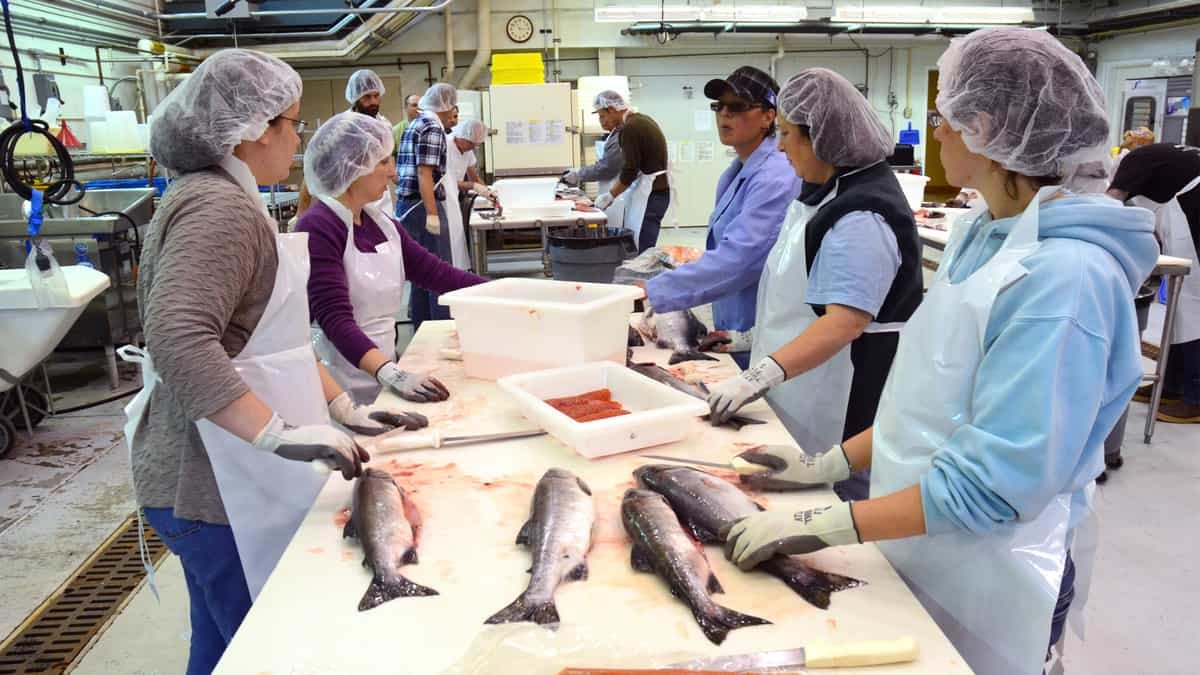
column 519, row 28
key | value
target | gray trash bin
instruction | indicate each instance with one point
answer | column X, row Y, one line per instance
column 589, row 254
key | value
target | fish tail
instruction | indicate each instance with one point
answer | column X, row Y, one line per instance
column 689, row 355
column 717, row 621
column 811, row 584
column 381, row 590
column 524, row 609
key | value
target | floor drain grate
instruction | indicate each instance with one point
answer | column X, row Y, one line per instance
column 55, row 634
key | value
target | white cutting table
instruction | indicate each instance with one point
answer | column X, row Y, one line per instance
column 474, row 499
column 1174, row 269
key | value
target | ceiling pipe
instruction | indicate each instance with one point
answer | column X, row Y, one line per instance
column 257, row 14
column 773, row 69
column 449, row 18
column 483, row 17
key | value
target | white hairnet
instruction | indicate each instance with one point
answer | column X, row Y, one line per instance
column 361, row 83
column 441, row 97
column 845, row 131
column 609, row 99
column 1021, row 98
column 228, row 99
column 346, row 147
column 472, row 130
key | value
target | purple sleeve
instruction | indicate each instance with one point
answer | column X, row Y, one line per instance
column 430, row 272
column 328, row 292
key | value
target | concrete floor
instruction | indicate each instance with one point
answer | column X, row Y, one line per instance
column 62, row 495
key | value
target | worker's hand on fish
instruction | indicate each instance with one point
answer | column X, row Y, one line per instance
column 484, row 191
column 725, row 341
column 433, row 224
column 605, row 200
column 750, row 385
column 313, row 443
column 760, row 537
column 792, row 469
column 372, row 420
column 412, row 386
column 571, row 177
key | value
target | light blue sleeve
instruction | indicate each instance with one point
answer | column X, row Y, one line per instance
column 856, row 264
column 1037, row 395
column 738, row 259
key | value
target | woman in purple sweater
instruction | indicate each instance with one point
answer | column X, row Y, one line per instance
column 361, row 258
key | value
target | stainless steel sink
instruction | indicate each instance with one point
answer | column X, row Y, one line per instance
column 137, row 203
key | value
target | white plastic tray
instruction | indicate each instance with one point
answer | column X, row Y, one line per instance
column 660, row 414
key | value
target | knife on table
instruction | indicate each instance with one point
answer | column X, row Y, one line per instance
column 736, row 464
column 417, row 440
column 815, row 655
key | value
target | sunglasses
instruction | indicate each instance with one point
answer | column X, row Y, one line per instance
column 734, row 107
column 300, row 125
column 934, row 119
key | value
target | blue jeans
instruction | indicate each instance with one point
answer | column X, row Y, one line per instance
column 217, row 590
column 656, row 207
column 423, row 304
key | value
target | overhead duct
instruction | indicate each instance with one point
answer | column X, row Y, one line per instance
column 483, row 27
column 450, row 65
column 715, row 28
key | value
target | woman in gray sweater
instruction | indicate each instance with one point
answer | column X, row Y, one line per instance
column 234, row 403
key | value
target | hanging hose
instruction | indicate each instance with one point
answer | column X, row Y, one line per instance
column 58, row 182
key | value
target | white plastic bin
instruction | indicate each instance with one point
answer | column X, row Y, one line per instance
column 914, row 188
column 520, row 325
column 515, row 193
column 660, row 414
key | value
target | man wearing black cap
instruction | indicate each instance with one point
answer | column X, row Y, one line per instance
column 753, row 196
column 643, row 173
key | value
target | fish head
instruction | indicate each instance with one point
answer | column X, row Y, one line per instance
column 376, row 474
column 652, row 476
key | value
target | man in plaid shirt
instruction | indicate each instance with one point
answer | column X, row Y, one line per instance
column 420, row 165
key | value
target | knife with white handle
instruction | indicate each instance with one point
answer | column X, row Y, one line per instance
column 815, row 655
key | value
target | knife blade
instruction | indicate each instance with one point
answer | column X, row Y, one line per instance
column 815, row 655
column 417, row 440
column 736, row 464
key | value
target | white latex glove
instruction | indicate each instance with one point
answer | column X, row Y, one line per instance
column 725, row 341
column 411, row 386
column 604, row 201
column 571, row 177
column 372, row 420
column 433, row 224
column 758, row 538
column 791, row 468
column 483, row 191
column 731, row 395
column 313, row 443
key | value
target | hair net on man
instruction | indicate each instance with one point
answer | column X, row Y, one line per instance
column 1022, row 99
column 363, row 82
column 472, row 130
column 229, row 98
column 609, row 99
column 845, row 131
column 441, row 97
column 346, row 147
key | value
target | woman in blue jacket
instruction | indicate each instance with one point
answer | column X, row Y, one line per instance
column 752, row 199
column 1007, row 378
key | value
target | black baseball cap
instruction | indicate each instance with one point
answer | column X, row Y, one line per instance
column 746, row 82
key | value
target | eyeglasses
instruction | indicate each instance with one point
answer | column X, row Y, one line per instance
column 934, row 119
column 733, row 107
column 300, row 125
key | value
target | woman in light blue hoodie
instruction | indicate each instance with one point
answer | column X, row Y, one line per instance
column 1009, row 376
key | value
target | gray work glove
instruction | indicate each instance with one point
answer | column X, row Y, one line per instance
column 792, row 469
column 318, row 443
column 733, row 394
column 758, row 538
column 372, row 420
column 411, row 386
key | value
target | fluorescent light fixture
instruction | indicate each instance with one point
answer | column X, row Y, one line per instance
column 746, row 13
column 917, row 14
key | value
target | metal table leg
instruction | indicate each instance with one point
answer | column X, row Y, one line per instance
column 1174, row 283
column 49, row 391
column 110, row 361
column 24, row 410
column 545, row 230
column 479, row 250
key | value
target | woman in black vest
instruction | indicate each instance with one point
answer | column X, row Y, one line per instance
column 843, row 277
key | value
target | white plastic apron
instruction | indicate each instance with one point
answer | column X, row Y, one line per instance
column 1176, row 234
column 135, row 412
column 615, row 211
column 812, row 405
column 456, row 168
column 632, row 203
column 993, row 595
column 376, row 285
